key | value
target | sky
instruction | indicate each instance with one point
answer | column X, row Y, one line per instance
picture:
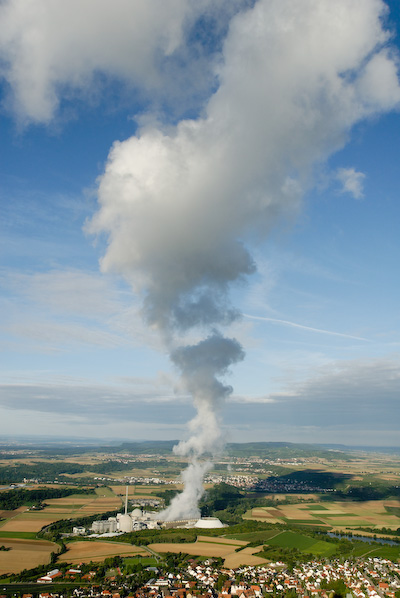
column 169, row 167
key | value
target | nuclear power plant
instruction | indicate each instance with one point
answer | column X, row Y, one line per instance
column 136, row 520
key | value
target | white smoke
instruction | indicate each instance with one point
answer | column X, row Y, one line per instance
column 185, row 504
column 199, row 366
column 52, row 50
column 181, row 205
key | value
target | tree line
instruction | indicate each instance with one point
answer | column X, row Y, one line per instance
column 12, row 499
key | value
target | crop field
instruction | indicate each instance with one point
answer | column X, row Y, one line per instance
column 8, row 514
column 339, row 515
column 208, row 549
column 21, row 524
column 84, row 552
column 386, row 552
column 302, row 543
column 217, row 547
column 25, row 535
column 75, row 505
column 261, row 536
column 24, row 554
column 244, row 557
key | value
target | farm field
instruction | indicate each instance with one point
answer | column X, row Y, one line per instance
column 73, row 506
column 302, row 543
column 244, row 557
column 215, row 547
column 24, row 554
column 260, row 536
column 24, row 524
column 337, row 515
column 143, row 491
column 84, row 552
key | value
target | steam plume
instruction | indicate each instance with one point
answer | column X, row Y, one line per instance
column 182, row 205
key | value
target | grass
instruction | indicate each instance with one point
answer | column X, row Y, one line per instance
column 393, row 510
column 316, row 507
column 387, row 552
column 104, row 491
column 23, row 535
column 302, row 543
column 261, row 536
column 146, row 561
column 291, row 540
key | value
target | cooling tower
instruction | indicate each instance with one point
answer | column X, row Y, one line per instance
column 208, row 523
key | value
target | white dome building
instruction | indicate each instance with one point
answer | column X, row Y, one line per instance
column 136, row 514
column 209, row 523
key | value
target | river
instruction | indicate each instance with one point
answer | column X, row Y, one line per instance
column 367, row 539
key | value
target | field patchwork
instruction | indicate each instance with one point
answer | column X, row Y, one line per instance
column 339, row 515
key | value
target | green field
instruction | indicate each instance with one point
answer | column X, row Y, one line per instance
column 146, row 561
column 23, row 535
column 102, row 491
column 261, row 536
column 302, row 543
column 371, row 550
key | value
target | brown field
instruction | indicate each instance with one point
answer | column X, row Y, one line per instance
column 246, row 556
column 84, row 552
column 196, row 548
column 217, row 547
column 8, row 514
column 227, row 541
column 26, row 525
column 70, row 500
column 25, row 554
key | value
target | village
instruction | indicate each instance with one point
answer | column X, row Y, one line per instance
column 368, row 578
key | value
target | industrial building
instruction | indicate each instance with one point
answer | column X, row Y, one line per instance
column 138, row 519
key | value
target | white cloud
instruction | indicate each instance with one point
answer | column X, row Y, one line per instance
column 68, row 291
column 53, row 50
column 177, row 203
column 65, row 310
column 352, row 181
column 151, row 402
column 359, row 393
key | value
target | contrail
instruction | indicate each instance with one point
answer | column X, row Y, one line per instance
column 294, row 325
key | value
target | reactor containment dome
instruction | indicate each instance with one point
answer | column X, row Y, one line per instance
column 209, row 523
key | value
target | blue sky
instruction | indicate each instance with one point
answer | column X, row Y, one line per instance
column 306, row 149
